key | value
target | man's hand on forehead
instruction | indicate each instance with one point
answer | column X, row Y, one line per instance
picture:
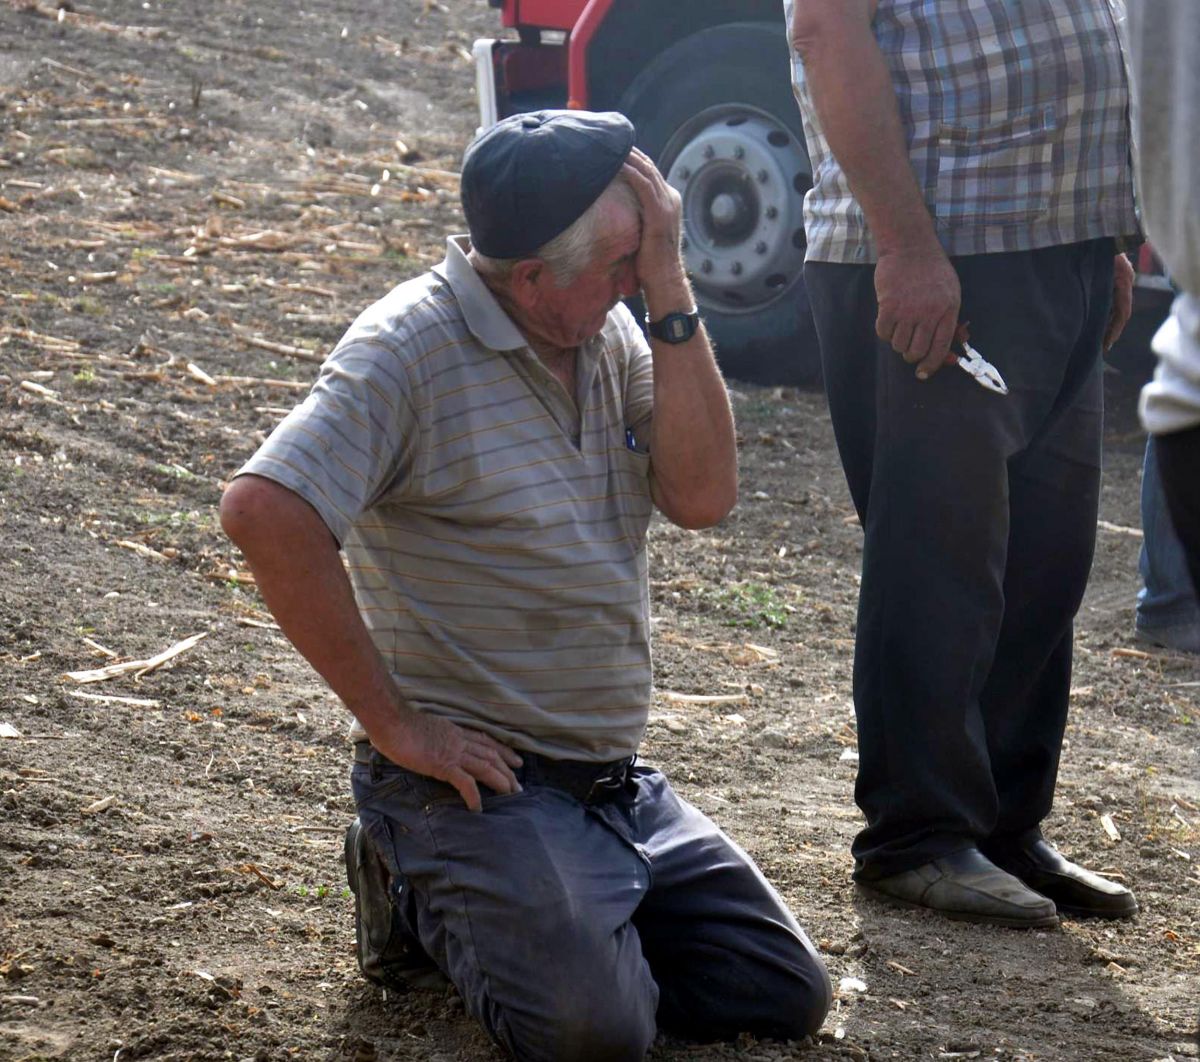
column 661, row 222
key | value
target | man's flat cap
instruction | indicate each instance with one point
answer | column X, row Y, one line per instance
column 527, row 178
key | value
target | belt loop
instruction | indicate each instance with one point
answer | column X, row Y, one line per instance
column 375, row 766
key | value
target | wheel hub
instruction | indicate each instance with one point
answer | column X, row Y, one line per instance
column 741, row 176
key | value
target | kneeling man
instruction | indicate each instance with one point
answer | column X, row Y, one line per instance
column 486, row 444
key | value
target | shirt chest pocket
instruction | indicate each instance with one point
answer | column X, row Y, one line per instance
column 999, row 174
column 630, row 490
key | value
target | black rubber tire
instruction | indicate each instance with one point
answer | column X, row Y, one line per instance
column 736, row 63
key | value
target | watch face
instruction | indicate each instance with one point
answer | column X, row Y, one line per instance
column 675, row 327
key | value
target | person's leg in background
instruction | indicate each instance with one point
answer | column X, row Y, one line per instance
column 1179, row 462
column 1168, row 613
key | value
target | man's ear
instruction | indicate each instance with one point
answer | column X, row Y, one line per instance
column 526, row 281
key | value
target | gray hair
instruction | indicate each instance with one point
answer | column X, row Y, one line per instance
column 570, row 252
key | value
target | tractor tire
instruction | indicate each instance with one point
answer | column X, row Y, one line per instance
column 716, row 113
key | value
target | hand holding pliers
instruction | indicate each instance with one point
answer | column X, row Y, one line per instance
column 974, row 364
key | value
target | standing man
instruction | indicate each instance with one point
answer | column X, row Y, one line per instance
column 485, row 445
column 971, row 164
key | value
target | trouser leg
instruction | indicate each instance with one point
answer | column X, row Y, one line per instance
column 1179, row 461
column 526, row 907
column 1166, row 603
column 1054, row 492
column 727, row 954
column 926, row 465
column 931, row 467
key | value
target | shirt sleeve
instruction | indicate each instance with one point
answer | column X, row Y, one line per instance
column 349, row 442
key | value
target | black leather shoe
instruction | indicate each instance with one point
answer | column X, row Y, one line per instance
column 965, row 885
column 1074, row 890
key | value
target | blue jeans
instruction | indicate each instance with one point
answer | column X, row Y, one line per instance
column 1167, row 610
column 574, row 928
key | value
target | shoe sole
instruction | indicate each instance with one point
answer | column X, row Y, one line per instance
column 421, row 977
column 1042, row 922
column 1091, row 912
column 1166, row 641
column 348, row 855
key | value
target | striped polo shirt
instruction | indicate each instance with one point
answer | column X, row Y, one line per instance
column 494, row 530
column 1017, row 119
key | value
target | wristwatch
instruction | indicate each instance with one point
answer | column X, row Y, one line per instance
column 674, row 327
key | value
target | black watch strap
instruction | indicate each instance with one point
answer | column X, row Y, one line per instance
column 674, row 327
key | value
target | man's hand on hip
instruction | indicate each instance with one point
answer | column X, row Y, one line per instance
column 438, row 748
column 919, row 296
column 1122, row 304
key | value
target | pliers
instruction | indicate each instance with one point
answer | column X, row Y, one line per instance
column 974, row 364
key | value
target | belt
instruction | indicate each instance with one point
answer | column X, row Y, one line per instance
column 585, row 780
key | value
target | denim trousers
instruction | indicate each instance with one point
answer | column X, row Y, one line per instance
column 979, row 517
column 1166, row 604
column 575, row 927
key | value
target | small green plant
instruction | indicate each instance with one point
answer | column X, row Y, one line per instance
column 85, row 375
column 319, row 892
column 91, row 306
column 751, row 605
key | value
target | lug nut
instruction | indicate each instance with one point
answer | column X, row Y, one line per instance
column 762, row 176
column 736, row 269
column 685, row 174
column 709, row 152
column 772, row 212
column 739, row 152
column 761, row 247
column 683, row 243
column 706, row 266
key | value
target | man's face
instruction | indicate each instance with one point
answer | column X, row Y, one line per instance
column 566, row 316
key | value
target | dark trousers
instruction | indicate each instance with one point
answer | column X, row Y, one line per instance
column 576, row 920
column 979, row 513
column 1179, row 465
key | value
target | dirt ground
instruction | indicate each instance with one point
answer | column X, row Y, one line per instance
column 191, row 210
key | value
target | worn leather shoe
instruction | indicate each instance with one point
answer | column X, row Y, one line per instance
column 967, row 886
column 1074, row 890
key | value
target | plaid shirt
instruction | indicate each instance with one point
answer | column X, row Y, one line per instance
column 1016, row 114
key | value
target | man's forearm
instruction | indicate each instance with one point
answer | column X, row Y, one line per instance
column 299, row 573
column 693, row 447
column 300, row 576
column 852, row 93
column 916, row 286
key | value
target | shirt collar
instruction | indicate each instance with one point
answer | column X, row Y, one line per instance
column 483, row 314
